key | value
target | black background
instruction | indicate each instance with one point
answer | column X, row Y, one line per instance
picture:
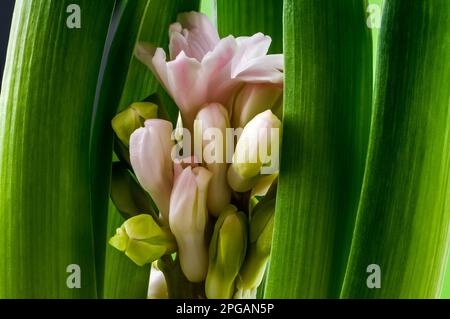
column 6, row 9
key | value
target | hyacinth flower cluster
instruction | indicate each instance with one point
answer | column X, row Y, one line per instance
column 200, row 197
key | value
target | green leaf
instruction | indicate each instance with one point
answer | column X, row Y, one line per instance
column 404, row 215
column 245, row 18
column 116, row 58
column 45, row 114
column 139, row 84
column 328, row 84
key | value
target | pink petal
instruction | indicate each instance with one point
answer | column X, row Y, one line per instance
column 194, row 34
column 217, row 71
column 144, row 52
column 264, row 69
column 198, row 21
column 150, row 156
column 250, row 48
column 186, row 86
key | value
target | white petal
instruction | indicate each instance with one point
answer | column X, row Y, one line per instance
column 157, row 286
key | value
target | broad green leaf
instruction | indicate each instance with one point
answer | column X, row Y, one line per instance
column 122, row 36
column 327, row 107
column 45, row 113
column 404, row 214
column 245, row 18
column 153, row 26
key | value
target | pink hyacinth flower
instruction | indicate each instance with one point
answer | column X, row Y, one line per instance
column 206, row 69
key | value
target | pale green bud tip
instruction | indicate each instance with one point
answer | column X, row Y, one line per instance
column 143, row 240
column 239, row 183
column 257, row 151
column 133, row 117
column 226, row 253
column 261, row 229
column 261, row 224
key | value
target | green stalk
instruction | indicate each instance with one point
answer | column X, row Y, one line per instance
column 404, row 214
column 328, row 85
column 45, row 114
column 123, row 279
column 245, row 18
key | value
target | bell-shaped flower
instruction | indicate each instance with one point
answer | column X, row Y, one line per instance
column 205, row 69
column 256, row 153
column 143, row 240
column 150, row 155
column 211, row 124
column 253, row 99
column 188, row 218
column 226, row 253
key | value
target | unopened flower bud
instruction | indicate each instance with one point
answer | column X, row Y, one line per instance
column 143, row 240
column 157, row 286
column 253, row 99
column 188, row 218
column 132, row 118
column 214, row 121
column 261, row 229
column 266, row 186
column 226, row 253
column 257, row 151
column 150, row 155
